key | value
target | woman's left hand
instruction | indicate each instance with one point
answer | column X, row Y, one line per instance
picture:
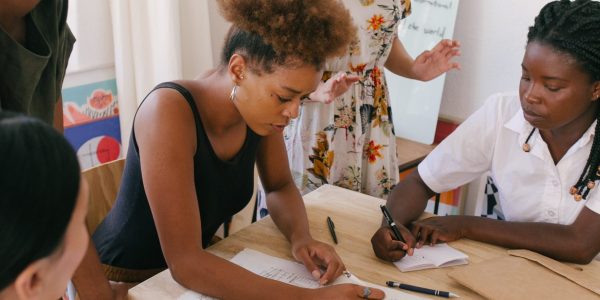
column 315, row 256
column 437, row 61
column 334, row 87
column 439, row 229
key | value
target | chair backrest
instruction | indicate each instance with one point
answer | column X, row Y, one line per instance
column 103, row 182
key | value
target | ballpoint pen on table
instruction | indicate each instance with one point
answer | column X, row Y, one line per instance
column 390, row 221
column 421, row 289
column 332, row 229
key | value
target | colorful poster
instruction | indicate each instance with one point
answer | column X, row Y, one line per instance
column 91, row 121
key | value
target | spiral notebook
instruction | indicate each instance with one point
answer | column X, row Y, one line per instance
column 429, row 257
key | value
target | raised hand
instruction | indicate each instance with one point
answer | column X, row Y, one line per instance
column 334, row 87
column 437, row 61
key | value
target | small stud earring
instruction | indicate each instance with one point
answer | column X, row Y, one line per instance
column 242, row 77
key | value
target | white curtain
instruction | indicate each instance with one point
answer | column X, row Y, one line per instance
column 156, row 41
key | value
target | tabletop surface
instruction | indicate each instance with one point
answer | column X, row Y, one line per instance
column 410, row 153
column 356, row 217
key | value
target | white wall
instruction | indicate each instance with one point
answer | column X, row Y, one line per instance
column 196, row 50
column 493, row 35
column 92, row 58
column 218, row 30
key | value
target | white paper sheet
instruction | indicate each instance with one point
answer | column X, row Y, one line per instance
column 428, row 257
column 292, row 273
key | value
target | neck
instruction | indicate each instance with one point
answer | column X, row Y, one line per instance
column 560, row 140
column 220, row 112
column 14, row 26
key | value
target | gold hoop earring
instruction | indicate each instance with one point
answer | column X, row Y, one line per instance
column 233, row 93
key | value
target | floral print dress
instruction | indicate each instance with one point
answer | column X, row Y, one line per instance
column 350, row 142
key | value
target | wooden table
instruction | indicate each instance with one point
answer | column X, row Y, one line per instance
column 410, row 153
column 356, row 217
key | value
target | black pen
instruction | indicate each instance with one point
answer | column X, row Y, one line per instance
column 390, row 221
column 331, row 229
column 421, row 289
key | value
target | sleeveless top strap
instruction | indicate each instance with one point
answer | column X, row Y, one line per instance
column 188, row 97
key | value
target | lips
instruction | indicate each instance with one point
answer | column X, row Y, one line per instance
column 531, row 113
column 279, row 128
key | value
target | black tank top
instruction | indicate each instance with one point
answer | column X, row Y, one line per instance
column 127, row 237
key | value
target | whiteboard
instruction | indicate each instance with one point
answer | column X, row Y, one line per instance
column 416, row 104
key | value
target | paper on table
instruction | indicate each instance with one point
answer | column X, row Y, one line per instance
column 427, row 257
column 293, row 273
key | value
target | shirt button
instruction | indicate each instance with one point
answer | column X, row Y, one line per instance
column 551, row 213
column 554, row 183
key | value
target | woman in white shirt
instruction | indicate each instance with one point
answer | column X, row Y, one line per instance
column 543, row 152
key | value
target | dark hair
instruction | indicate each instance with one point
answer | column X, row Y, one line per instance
column 39, row 184
column 278, row 32
column 573, row 27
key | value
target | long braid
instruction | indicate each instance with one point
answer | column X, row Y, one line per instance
column 573, row 27
column 593, row 172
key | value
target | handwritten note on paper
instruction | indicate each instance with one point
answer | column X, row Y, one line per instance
column 416, row 104
column 292, row 273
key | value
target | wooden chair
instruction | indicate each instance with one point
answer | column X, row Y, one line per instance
column 103, row 182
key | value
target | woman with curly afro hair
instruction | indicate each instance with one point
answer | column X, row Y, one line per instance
column 194, row 144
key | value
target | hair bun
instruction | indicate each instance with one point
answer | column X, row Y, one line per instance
column 311, row 30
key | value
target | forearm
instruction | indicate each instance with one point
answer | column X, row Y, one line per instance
column 287, row 210
column 58, row 116
column 89, row 279
column 553, row 240
column 211, row 275
column 409, row 199
column 399, row 61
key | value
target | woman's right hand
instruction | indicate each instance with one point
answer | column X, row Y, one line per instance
column 344, row 291
column 388, row 248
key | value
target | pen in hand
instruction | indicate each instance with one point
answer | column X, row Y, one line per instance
column 391, row 223
column 395, row 230
column 332, row 229
column 421, row 289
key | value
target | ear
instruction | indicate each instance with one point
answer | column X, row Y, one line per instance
column 596, row 91
column 237, row 68
column 29, row 284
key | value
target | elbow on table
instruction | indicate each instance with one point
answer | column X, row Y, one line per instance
column 581, row 253
column 179, row 270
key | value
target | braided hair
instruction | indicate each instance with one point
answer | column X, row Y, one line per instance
column 573, row 27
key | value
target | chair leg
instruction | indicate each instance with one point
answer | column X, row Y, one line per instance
column 436, row 207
